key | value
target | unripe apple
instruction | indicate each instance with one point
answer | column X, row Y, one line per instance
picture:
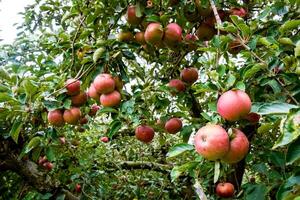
column 225, row 190
column 55, row 117
column 173, row 125
column 241, row 12
column 205, row 32
column 125, row 36
column 104, row 139
column 239, row 147
column 111, row 99
column 190, row 40
column 104, row 83
column 177, row 84
column 233, row 105
column 140, row 38
column 173, row 35
column 83, row 120
column 189, row 75
column 79, row 99
column 144, row 133
column 154, row 33
column 62, row 140
column 131, row 16
column 94, row 109
column 72, row 86
column 92, row 92
column 72, row 115
column 78, row 188
column 212, row 142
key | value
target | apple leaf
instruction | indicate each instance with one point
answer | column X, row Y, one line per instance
column 179, row 149
column 114, row 128
column 288, row 25
column 255, row 191
column 178, row 170
column 272, row 108
column 293, row 153
column 34, row 142
column 15, row 130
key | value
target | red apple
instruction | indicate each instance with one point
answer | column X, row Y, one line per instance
column 72, row 115
column 239, row 147
column 77, row 187
column 94, row 110
column 72, row 86
column 225, row 190
column 233, row 105
column 131, row 16
column 55, row 117
column 48, row 166
column 173, row 125
column 212, row 142
column 144, row 133
column 177, row 84
column 104, row 83
column 205, row 32
column 110, row 100
column 104, row 139
column 173, row 35
column 42, row 160
column 189, row 75
column 62, row 140
column 241, row 12
column 154, row 33
column 92, row 92
column 83, row 120
column 139, row 38
column 79, row 99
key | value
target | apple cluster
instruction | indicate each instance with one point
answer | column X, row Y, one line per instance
column 43, row 161
column 188, row 76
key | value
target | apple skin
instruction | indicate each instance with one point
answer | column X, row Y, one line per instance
column 173, row 125
column 177, row 84
column 48, row 166
column 55, row 118
column 239, row 147
column 94, row 109
column 72, row 115
column 42, row 160
column 79, row 99
column 104, row 139
column 104, row 83
column 225, row 190
column 140, row 38
column 92, row 93
column 173, row 35
column 83, row 120
column 189, row 75
column 72, row 86
column 154, row 33
column 110, row 100
column 233, row 105
column 212, row 142
column 78, row 188
column 190, row 40
column 144, row 133
column 241, row 12
column 131, row 16
column 125, row 36
column 205, row 32
column 253, row 118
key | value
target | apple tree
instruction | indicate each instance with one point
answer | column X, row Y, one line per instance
column 152, row 99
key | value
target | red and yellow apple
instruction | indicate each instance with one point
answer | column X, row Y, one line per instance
column 154, row 33
column 104, row 83
column 79, row 99
column 111, row 99
column 72, row 86
column 55, row 118
column 72, row 115
column 144, row 133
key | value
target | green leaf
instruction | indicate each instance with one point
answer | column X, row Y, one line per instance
column 3, row 74
column 5, row 97
column 230, row 81
column 255, row 191
column 178, row 170
column 15, row 130
column 288, row 25
column 114, row 128
column 179, row 149
column 297, row 49
column 108, row 110
column 34, row 142
column 217, row 171
column 50, row 154
column 30, row 87
column 293, row 153
column 240, row 85
column 289, row 189
column 272, row 108
column 252, row 71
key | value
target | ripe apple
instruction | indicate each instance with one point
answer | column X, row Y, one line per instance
column 62, row 140
column 104, row 83
column 77, row 187
column 212, row 142
column 131, row 16
column 233, row 105
column 94, row 109
column 241, row 12
column 225, row 190
column 189, row 75
column 173, row 35
column 72, row 115
column 177, row 84
column 83, row 120
column 110, row 100
column 42, row 160
column 79, row 99
column 205, row 32
column 92, row 93
column 190, row 40
column 173, row 125
column 125, row 36
column 239, row 147
column 72, row 86
column 55, row 117
column 139, row 38
column 144, row 133
column 154, row 33
column 104, row 139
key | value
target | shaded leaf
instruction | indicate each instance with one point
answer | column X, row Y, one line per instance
column 179, row 149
